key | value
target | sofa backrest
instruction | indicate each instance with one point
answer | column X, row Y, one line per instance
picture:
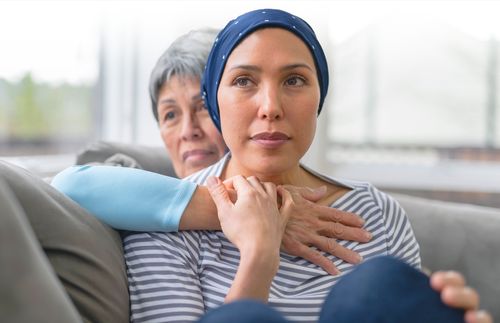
column 460, row 237
column 452, row 236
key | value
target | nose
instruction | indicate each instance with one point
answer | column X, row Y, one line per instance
column 271, row 106
column 191, row 129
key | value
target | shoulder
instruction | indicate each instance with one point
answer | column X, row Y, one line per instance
column 216, row 169
column 368, row 192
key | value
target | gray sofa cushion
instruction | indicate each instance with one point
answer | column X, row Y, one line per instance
column 85, row 254
column 154, row 159
column 460, row 237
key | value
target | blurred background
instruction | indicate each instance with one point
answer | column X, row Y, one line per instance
column 413, row 104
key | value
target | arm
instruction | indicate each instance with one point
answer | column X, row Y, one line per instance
column 127, row 198
column 255, row 226
column 137, row 200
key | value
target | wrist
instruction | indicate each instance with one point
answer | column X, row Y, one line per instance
column 201, row 213
column 263, row 259
column 255, row 274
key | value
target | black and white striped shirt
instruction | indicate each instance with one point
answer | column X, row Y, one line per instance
column 178, row 276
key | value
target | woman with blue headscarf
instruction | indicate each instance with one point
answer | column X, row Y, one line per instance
column 264, row 85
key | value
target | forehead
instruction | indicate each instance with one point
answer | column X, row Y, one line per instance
column 271, row 41
column 179, row 84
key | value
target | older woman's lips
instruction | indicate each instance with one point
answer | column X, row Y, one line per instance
column 270, row 140
column 196, row 154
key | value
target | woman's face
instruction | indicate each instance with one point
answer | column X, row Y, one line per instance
column 268, row 99
column 191, row 138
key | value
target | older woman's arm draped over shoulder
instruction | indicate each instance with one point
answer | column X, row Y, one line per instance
column 137, row 200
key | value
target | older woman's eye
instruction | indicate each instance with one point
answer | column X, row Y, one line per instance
column 295, row 81
column 169, row 116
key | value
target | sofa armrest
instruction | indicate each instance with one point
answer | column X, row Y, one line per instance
column 460, row 237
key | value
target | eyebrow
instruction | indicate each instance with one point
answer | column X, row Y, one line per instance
column 258, row 69
column 194, row 97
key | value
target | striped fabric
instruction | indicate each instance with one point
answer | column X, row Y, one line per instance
column 176, row 277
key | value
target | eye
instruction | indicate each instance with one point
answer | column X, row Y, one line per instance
column 295, row 81
column 170, row 115
column 242, row 81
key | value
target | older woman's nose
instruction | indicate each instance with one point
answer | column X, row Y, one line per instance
column 271, row 107
column 191, row 129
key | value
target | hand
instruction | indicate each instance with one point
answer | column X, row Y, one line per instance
column 251, row 220
column 456, row 294
column 311, row 224
column 253, row 223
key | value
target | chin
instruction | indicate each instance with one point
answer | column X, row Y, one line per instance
column 272, row 164
column 200, row 164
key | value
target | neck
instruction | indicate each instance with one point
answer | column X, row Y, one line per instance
column 294, row 175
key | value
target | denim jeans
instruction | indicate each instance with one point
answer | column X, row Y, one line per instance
column 382, row 289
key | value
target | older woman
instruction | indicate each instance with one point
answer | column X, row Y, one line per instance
column 265, row 82
column 188, row 133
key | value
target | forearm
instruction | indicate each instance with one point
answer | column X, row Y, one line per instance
column 254, row 276
column 127, row 198
column 201, row 213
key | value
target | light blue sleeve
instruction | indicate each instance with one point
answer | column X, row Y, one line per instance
column 127, row 198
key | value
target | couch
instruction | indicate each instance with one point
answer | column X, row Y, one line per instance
column 451, row 236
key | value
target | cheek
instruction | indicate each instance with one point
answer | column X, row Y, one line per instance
column 170, row 138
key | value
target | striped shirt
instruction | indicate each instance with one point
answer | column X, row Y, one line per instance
column 178, row 276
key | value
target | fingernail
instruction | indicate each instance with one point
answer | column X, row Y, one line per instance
column 357, row 258
column 481, row 315
column 334, row 272
column 211, row 181
column 368, row 235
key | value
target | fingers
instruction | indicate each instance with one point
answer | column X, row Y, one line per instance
column 478, row 317
column 270, row 189
column 440, row 279
column 263, row 187
column 300, row 250
column 219, row 194
column 334, row 248
column 307, row 193
column 454, row 293
column 340, row 231
column 346, row 218
column 240, row 183
column 460, row 297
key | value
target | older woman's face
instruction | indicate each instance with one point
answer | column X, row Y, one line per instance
column 189, row 134
column 268, row 100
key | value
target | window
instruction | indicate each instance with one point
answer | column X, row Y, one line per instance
column 49, row 76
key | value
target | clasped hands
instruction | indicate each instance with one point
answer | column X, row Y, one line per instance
column 299, row 223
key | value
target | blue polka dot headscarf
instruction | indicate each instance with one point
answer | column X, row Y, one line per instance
column 236, row 30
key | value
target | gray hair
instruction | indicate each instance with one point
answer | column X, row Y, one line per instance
column 186, row 57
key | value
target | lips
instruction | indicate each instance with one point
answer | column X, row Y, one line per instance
column 270, row 140
column 271, row 136
column 196, row 153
